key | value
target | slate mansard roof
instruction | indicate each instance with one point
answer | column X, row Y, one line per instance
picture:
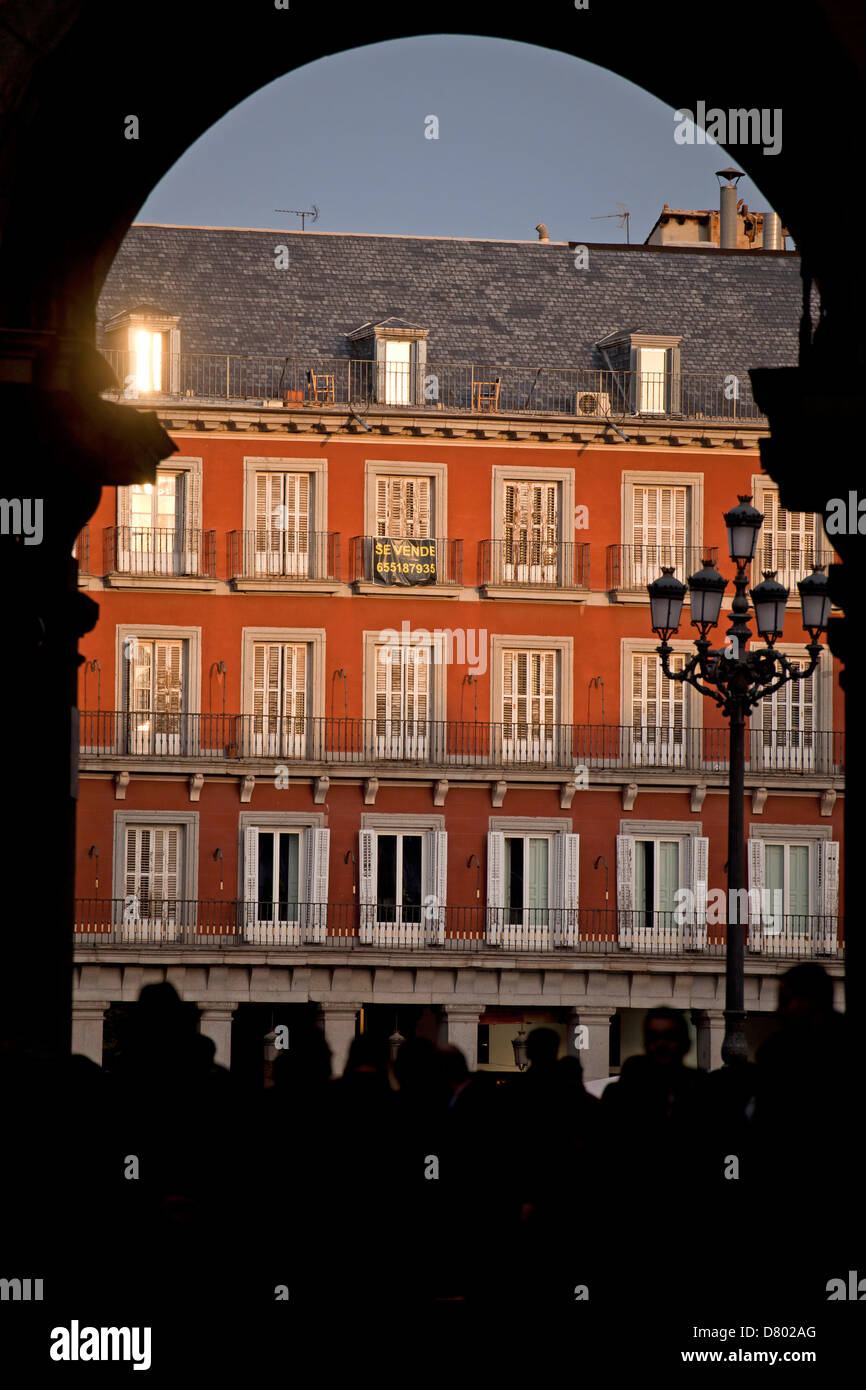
column 489, row 302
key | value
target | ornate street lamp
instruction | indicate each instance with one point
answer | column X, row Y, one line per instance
column 737, row 680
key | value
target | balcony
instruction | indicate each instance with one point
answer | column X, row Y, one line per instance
column 227, row 924
column 460, row 387
column 157, row 553
column 302, row 557
column 790, row 564
column 525, row 563
column 631, row 567
column 397, row 563
column 450, row 745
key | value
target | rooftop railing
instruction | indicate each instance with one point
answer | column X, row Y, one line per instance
column 473, row 388
column 218, row 923
column 449, row 744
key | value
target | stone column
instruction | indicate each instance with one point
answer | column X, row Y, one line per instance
column 88, row 1016
column 710, row 1024
column 462, row 1029
column 595, row 1056
column 339, row 1023
column 215, row 1022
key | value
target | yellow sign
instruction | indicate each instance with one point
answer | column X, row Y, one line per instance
column 404, row 561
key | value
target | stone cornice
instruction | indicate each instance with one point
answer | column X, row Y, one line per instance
column 315, row 421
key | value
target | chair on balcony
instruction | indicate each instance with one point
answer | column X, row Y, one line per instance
column 321, row 387
column 485, row 394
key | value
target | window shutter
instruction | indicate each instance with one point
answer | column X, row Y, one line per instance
column 567, row 861
column 123, row 507
column 495, row 884
column 367, row 882
column 141, row 686
column 295, row 703
column 828, row 894
column 625, row 887
column 382, row 509
column 251, row 876
column 169, row 676
column 756, row 883
column 189, row 511
column 698, row 865
column 317, row 846
column 417, row 684
column 438, row 842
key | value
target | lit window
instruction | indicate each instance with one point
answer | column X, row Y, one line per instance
column 148, row 360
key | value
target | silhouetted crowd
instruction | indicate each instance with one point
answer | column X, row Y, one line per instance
column 412, row 1180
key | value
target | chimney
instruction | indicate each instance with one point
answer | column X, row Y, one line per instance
column 772, row 232
column 543, row 233
column 728, row 219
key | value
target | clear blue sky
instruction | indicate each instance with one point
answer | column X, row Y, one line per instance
column 526, row 135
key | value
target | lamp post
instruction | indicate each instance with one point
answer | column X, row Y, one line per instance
column 737, row 680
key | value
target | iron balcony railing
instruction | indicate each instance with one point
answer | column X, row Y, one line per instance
column 450, row 744
column 275, row 554
column 632, row 567
column 790, row 564
column 81, row 550
column 148, row 920
column 530, row 562
column 469, row 387
column 397, row 561
column 141, row 550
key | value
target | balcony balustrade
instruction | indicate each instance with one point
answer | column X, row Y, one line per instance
column 631, row 567
column 231, row 923
column 152, row 551
column 289, row 555
column 460, row 387
column 107, row 735
column 529, row 562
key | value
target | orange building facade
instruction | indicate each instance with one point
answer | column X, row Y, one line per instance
column 372, row 721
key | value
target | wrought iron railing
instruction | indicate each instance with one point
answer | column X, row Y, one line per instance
column 528, row 562
column 81, row 550
column 141, row 550
column 572, row 750
column 146, row 920
column 397, row 562
column 474, row 388
column 274, row 554
column 632, row 567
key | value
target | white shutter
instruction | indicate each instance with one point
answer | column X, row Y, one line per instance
column 828, row 895
column 787, row 542
column 189, row 518
column 367, row 882
column 495, row 885
column 659, row 525
column 567, row 867
column 123, row 508
column 154, row 873
column 251, row 877
column 755, row 850
column 316, row 849
column 625, row 888
column 699, row 865
column 438, row 842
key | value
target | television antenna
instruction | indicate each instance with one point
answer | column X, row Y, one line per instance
column 302, row 213
column 622, row 218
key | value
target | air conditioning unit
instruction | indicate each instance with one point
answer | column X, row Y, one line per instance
column 593, row 403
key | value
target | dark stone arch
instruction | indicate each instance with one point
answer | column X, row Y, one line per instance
column 71, row 184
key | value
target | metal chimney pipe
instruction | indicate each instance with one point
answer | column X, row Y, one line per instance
column 772, row 240
column 728, row 219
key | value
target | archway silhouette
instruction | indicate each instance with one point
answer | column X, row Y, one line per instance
column 72, row 183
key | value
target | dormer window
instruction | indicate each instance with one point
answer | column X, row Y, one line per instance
column 397, row 352
column 143, row 347
column 648, row 367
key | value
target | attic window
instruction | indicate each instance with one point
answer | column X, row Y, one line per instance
column 398, row 351
column 148, row 367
